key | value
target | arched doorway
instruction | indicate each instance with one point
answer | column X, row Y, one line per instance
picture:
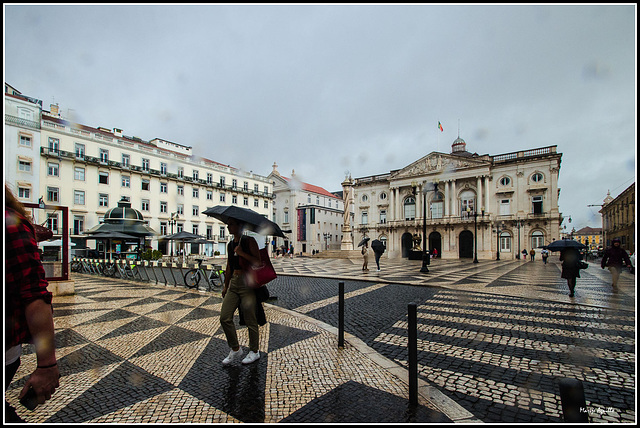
column 407, row 244
column 435, row 241
column 466, row 244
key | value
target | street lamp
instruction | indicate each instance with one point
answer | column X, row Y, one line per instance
column 426, row 257
column 172, row 221
column 475, row 235
column 498, row 230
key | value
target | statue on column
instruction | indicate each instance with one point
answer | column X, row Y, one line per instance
column 347, row 190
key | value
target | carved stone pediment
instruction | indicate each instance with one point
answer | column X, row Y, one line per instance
column 437, row 163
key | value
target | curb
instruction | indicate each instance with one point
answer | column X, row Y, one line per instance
column 440, row 401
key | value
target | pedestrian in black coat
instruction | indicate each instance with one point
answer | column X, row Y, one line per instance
column 570, row 270
column 614, row 257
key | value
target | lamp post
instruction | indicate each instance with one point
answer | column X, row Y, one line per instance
column 518, row 224
column 172, row 221
column 475, row 235
column 426, row 257
column 498, row 230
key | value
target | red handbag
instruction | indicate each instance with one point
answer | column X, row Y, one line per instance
column 257, row 276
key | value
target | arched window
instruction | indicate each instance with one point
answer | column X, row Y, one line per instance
column 410, row 208
column 467, row 200
column 537, row 239
column 505, row 242
column 537, row 177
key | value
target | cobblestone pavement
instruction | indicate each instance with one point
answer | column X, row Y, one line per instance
column 134, row 352
column 494, row 337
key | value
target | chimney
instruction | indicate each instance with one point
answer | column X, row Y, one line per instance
column 55, row 110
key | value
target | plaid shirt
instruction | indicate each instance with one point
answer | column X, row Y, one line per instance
column 24, row 276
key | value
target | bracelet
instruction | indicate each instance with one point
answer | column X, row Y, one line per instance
column 49, row 366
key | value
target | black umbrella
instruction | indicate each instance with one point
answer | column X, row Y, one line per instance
column 377, row 246
column 253, row 220
column 562, row 244
column 364, row 241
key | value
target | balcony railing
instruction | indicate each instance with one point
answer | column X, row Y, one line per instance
column 23, row 123
column 92, row 160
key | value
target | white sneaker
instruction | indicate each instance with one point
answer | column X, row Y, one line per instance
column 251, row 357
column 232, row 356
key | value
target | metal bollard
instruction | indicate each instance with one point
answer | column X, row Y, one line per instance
column 341, row 315
column 413, row 353
column 574, row 406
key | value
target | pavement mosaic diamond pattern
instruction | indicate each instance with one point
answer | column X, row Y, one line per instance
column 152, row 353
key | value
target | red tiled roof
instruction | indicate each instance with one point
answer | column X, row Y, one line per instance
column 315, row 189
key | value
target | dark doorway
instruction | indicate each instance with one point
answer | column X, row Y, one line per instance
column 407, row 244
column 466, row 244
column 435, row 241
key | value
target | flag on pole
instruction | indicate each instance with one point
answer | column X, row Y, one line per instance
column 440, row 127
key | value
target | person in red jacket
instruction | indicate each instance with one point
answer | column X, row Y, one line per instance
column 614, row 257
column 28, row 311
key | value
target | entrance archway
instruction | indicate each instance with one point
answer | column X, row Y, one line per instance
column 407, row 244
column 435, row 241
column 466, row 244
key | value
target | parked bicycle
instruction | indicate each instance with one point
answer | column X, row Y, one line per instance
column 214, row 281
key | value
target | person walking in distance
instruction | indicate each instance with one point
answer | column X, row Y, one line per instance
column 570, row 269
column 243, row 252
column 28, row 310
column 365, row 257
column 614, row 257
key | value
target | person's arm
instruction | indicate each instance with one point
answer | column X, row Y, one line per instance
column 44, row 379
column 227, row 278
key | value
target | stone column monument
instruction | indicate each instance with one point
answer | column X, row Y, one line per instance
column 347, row 190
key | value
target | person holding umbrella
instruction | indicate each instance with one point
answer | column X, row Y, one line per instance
column 242, row 252
column 378, row 248
column 614, row 257
column 570, row 257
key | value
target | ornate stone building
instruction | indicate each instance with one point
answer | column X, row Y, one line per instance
column 485, row 205
column 618, row 218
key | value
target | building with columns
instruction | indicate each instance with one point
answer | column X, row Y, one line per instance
column 487, row 206
column 311, row 215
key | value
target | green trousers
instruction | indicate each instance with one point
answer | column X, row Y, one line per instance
column 240, row 294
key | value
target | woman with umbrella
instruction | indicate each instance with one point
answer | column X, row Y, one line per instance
column 365, row 254
column 243, row 252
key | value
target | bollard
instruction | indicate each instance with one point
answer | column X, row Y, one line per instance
column 574, row 406
column 413, row 353
column 341, row 315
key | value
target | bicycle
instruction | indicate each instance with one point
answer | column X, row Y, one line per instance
column 76, row 265
column 215, row 280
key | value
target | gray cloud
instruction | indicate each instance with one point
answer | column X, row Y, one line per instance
column 324, row 89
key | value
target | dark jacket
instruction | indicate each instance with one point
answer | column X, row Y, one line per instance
column 570, row 258
column 615, row 256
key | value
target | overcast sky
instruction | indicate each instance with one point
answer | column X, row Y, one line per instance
column 327, row 89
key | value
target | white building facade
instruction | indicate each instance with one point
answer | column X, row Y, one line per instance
column 311, row 215
column 90, row 170
column 22, row 145
column 473, row 205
